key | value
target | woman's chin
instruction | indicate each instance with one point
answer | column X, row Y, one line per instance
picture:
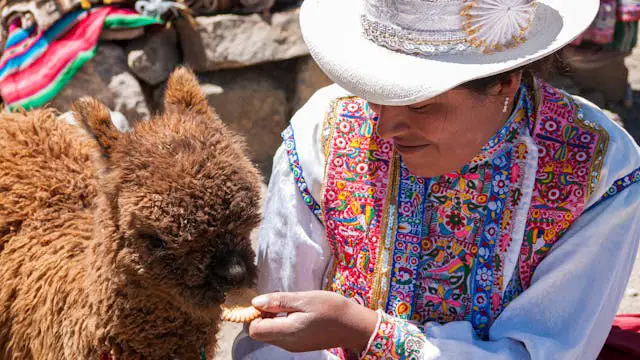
column 423, row 166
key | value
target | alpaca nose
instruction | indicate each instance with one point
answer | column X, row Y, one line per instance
column 234, row 271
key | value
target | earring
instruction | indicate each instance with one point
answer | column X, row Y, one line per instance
column 506, row 104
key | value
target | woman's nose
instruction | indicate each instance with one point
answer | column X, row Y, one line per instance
column 392, row 121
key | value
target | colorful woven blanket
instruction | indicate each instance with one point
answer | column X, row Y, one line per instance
column 36, row 65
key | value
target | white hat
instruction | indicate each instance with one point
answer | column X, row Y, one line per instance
column 401, row 52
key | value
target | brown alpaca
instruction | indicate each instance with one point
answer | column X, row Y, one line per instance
column 122, row 245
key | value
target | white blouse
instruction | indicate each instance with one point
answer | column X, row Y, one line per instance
column 567, row 311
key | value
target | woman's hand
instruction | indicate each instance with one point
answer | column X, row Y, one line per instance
column 316, row 320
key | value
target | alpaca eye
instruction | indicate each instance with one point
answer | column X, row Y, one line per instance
column 154, row 241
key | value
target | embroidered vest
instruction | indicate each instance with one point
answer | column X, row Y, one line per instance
column 435, row 249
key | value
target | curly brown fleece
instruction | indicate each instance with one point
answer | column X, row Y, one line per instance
column 122, row 244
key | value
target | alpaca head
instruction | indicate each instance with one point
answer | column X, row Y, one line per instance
column 181, row 196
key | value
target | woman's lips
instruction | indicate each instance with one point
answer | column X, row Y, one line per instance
column 410, row 149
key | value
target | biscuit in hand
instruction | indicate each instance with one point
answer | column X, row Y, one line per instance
column 239, row 314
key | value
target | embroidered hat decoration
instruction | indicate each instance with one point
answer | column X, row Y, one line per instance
column 493, row 25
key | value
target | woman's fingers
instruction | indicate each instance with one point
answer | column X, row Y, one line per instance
column 270, row 329
column 278, row 302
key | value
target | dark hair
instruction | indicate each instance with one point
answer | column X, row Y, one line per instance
column 543, row 69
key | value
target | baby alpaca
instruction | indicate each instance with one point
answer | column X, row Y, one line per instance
column 122, row 245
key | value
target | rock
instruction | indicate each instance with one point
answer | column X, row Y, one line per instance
column 86, row 82
column 128, row 97
column 153, row 57
column 257, row 5
column 233, row 41
column 253, row 105
column 309, row 79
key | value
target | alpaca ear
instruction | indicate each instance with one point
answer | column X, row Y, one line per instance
column 184, row 94
column 95, row 118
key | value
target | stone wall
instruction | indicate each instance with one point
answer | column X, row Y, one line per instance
column 255, row 70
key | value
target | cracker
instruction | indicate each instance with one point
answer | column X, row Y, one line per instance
column 240, row 314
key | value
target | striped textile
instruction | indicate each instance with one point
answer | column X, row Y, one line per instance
column 35, row 66
column 628, row 10
column 615, row 27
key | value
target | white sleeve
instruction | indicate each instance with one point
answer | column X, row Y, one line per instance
column 293, row 253
column 567, row 311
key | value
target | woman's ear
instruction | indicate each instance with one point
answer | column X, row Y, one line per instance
column 511, row 84
column 508, row 86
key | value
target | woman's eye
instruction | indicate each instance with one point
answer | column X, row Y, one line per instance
column 420, row 109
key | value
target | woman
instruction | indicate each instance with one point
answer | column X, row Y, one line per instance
column 450, row 212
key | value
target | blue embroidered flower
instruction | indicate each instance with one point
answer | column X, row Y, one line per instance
column 495, row 206
column 480, row 299
column 500, row 184
column 501, row 161
column 484, row 276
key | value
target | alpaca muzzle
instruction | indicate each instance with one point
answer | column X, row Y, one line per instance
column 234, row 271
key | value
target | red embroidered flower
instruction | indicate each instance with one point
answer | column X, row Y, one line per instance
column 454, row 221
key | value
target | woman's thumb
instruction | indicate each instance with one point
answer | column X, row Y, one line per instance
column 277, row 302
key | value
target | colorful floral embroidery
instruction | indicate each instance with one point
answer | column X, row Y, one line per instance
column 296, row 170
column 571, row 153
column 444, row 258
column 395, row 340
column 435, row 249
column 620, row 185
column 358, row 166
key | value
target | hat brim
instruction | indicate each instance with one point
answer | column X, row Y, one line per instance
column 332, row 31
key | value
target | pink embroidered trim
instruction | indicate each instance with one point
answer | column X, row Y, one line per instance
column 356, row 182
column 571, row 153
column 395, row 339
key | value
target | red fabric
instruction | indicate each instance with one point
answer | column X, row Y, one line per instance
column 623, row 342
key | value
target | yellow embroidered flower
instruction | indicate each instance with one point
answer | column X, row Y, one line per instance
column 403, row 308
column 549, row 234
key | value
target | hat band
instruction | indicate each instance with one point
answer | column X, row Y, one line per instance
column 485, row 26
column 415, row 42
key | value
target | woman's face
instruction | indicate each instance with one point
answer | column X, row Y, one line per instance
column 442, row 134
